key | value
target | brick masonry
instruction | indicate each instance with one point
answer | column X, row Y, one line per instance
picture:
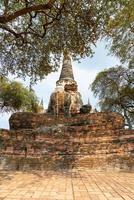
column 40, row 141
column 32, row 120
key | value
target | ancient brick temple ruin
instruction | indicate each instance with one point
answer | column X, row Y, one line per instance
column 65, row 99
column 64, row 137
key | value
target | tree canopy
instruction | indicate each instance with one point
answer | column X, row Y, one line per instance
column 33, row 34
column 120, row 31
column 14, row 96
column 115, row 90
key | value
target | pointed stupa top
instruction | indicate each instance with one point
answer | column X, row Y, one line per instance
column 66, row 71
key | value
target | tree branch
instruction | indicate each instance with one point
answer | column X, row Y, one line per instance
column 7, row 18
column 29, row 29
column 6, row 28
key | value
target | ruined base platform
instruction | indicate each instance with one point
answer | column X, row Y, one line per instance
column 94, row 141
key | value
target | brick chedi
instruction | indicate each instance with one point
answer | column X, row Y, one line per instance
column 59, row 139
column 66, row 99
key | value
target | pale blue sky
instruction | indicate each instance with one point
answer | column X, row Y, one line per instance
column 84, row 74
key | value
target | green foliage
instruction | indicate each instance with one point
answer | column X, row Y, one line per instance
column 115, row 89
column 14, row 96
column 34, row 33
column 120, row 31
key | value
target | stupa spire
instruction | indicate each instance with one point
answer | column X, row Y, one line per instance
column 65, row 100
column 66, row 71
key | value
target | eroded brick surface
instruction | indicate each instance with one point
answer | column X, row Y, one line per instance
column 95, row 141
column 100, row 120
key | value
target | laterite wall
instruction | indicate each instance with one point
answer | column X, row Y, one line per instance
column 96, row 141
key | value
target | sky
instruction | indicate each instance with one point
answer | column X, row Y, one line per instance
column 84, row 74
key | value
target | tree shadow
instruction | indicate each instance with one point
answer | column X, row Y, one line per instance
column 6, row 175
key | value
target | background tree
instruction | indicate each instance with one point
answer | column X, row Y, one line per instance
column 14, row 96
column 120, row 32
column 115, row 90
column 33, row 34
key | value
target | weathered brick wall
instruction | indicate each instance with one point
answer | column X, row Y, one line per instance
column 98, row 145
column 33, row 120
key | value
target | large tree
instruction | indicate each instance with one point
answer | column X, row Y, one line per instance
column 120, row 32
column 115, row 90
column 33, row 34
column 14, row 97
